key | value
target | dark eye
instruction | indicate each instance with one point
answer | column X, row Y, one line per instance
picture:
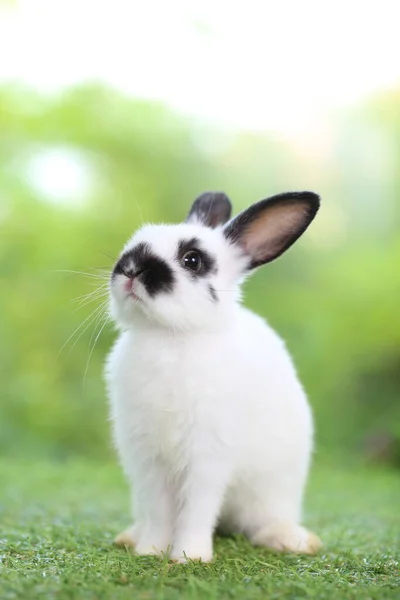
column 192, row 261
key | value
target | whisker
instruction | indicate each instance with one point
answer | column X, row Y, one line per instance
column 211, row 205
column 83, row 303
column 94, row 344
column 89, row 300
column 102, row 289
column 105, row 272
column 94, row 275
column 113, row 258
column 102, row 307
column 79, row 327
column 96, row 283
column 98, row 288
column 139, row 211
column 97, row 321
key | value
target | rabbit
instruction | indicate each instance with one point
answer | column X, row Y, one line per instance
column 211, row 423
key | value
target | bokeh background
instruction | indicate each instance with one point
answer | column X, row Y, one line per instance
column 112, row 113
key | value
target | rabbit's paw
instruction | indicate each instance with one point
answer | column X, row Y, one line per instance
column 126, row 538
column 285, row 537
column 199, row 550
column 154, row 543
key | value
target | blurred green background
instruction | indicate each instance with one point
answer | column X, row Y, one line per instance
column 82, row 169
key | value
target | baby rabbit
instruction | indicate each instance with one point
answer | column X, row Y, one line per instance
column 211, row 423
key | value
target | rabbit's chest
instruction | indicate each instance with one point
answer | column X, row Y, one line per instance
column 167, row 396
column 156, row 400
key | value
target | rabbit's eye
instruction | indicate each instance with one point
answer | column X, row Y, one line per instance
column 192, row 261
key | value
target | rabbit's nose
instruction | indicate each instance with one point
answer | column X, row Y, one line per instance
column 124, row 267
column 132, row 273
column 128, row 272
column 128, row 284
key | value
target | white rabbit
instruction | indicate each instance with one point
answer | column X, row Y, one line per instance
column 211, row 423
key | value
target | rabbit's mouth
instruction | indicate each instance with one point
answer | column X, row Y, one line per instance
column 128, row 285
column 134, row 296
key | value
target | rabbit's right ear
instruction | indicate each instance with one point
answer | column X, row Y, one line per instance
column 211, row 209
column 267, row 229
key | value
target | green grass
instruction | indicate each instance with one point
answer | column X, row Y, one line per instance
column 57, row 523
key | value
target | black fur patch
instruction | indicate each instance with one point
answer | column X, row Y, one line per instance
column 153, row 271
column 208, row 263
column 213, row 293
column 117, row 270
column 211, row 208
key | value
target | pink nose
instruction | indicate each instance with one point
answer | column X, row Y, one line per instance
column 128, row 284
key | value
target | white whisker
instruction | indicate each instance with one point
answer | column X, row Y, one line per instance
column 94, row 344
column 94, row 275
column 139, row 211
column 97, row 321
column 98, row 311
column 103, row 296
column 102, row 290
column 89, row 318
column 113, row 258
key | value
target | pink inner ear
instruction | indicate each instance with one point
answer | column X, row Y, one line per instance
column 274, row 229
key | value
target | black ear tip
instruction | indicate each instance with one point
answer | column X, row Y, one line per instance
column 215, row 198
column 311, row 198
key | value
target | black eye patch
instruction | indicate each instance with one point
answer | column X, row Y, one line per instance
column 154, row 272
column 207, row 264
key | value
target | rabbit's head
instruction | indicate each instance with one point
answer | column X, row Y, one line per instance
column 188, row 276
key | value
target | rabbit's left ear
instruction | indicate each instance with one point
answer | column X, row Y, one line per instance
column 210, row 209
column 267, row 229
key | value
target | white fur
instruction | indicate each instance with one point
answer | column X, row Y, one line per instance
column 210, row 421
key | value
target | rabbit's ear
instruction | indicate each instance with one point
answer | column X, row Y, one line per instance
column 210, row 209
column 265, row 230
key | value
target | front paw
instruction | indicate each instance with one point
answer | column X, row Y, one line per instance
column 153, row 546
column 195, row 549
column 126, row 538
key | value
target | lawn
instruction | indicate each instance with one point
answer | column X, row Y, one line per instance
column 58, row 520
